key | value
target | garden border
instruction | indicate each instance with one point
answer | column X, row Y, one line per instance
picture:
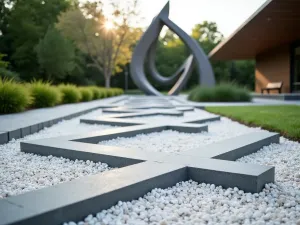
column 139, row 171
column 7, row 135
column 139, row 174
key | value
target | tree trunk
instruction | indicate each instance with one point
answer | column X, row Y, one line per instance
column 107, row 81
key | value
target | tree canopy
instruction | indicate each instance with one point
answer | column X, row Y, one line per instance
column 87, row 43
column 56, row 54
column 3, row 64
column 28, row 22
column 109, row 48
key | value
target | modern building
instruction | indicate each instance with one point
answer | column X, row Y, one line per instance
column 271, row 36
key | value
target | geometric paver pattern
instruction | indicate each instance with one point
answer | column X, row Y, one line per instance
column 138, row 171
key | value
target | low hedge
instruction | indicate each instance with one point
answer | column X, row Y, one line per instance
column 17, row 97
column 225, row 92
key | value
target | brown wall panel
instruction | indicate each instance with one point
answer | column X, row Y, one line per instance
column 273, row 66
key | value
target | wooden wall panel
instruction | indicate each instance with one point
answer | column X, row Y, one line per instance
column 273, row 66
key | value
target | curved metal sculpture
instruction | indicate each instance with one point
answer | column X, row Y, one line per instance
column 146, row 49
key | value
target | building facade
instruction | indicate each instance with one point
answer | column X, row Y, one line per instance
column 271, row 36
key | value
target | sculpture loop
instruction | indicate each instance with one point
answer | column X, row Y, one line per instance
column 146, row 47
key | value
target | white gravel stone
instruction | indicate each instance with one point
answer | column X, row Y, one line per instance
column 192, row 203
column 21, row 172
column 191, row 115
column 174, row 141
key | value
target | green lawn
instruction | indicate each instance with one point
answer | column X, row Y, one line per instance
column 284, row 119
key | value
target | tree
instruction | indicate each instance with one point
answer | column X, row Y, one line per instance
column 4, row 13
column 207, row 35
column 245, row 71
column 170, row 47
column 3, row 64
column 56, row 55
column 28, row 21
column 170, row 54
column 239, row 72
column 4, row 72
column 107, row 41
column 5, row 41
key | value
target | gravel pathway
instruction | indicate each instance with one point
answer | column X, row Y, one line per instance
column 174, row 141
column 185, row 203
column 22, row 172
column 160, row 119
column 189, row 203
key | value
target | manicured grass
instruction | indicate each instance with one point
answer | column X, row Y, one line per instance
column 284, row 119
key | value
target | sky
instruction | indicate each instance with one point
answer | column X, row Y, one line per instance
column 228, row 14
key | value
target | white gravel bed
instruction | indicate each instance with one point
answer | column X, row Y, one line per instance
column 174, row 141
column 161, row 119
column 189, row 203
column 21, row 172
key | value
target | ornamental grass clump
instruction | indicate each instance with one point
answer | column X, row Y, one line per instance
column 109, row 92
column 44, row 95
column 103, row 92
column 70, row 93
column 202, row 94
column 118, row 91
column 86, row 94
column 14, row 97
column 96, row 92
column 225, row 92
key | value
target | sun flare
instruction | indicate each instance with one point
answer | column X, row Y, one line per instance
column 108, row 25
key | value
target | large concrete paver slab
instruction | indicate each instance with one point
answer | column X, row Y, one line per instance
column 69, row 201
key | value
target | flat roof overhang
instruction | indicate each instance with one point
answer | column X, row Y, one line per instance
column 275, row 23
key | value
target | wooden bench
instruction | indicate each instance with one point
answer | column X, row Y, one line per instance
column 273, row 86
